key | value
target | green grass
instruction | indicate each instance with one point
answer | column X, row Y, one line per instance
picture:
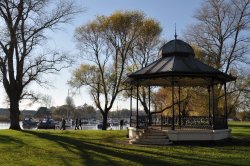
column 41, row 147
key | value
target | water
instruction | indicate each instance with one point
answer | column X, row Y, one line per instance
column 6, row 125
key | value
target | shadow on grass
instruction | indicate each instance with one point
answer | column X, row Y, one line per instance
column 90, row 152
column 4, row 139
column 222, row 143
column 98, row 153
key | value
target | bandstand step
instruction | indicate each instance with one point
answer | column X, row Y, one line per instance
column 151, row 137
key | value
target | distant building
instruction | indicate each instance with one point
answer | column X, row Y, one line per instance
column 4, row 114
column 42, row 112
column 27, row 113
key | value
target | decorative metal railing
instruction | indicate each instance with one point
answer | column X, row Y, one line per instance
column 142, row 121
column 187, row 122
column 200, row 122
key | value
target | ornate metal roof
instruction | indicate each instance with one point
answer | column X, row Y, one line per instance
column 178, row 63
column 175, row 47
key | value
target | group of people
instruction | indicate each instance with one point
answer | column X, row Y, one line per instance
column 77, row 123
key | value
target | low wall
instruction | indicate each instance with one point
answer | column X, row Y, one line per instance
column 188, row 135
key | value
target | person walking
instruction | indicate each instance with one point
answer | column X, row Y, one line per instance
column 63, row 124
column 80, row 124
column 121, row 124
column 76, row 124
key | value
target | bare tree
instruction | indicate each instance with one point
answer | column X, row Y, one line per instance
column 107, row 42
column 222, row 32
column 23, row 23
column 47, row 100
column 145, row 51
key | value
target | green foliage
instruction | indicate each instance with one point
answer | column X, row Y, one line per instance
column 194, row 101
column 84, row 75
column 120, row 114
column 74, row 148
column 84, row 112
column 110, row 44
column 242, row 115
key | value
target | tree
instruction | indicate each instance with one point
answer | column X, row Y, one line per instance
column 69, row 101
column 222, row 33
column 61, row 112
column 23, row 26
column 70, row 105
column 87, row 112
column 47, row 100
column 107, row 42
column 145, row 52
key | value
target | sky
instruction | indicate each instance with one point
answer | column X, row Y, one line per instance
column 166, row 12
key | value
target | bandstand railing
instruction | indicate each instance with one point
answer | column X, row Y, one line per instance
column 142, row 122
column 187, row 122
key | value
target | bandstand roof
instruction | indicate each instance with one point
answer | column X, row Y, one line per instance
column 178, row 63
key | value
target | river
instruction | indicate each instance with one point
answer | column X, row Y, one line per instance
column 6, row 125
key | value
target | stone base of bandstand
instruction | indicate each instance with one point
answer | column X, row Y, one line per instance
column 133, row 132
column 185, row 134
column 198, row 135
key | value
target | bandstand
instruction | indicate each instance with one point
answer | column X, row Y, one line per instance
column 178, row 68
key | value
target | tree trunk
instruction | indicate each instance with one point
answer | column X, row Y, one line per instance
column 104, row 120
column 14, row 115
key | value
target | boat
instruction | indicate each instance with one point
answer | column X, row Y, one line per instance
column 99, row 126
column 29, row 123
column 47, row 123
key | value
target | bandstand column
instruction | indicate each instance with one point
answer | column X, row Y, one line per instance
column 137, row 104
column 131, row 97
column 179, row 105
column 209, row 105
column 225, row 113
column 173, row 119
column 213, row 107
column 149, row 102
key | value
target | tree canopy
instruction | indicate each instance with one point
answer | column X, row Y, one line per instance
column 222, row 35
column 108, row 43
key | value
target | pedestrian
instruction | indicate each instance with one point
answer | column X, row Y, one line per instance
column 80, row 124
column 63, row 124
column 121, row 124
column 76, row 124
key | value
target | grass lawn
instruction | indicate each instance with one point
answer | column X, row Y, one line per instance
column 41, row 147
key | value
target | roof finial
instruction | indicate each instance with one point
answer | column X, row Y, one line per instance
column 175, row 35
